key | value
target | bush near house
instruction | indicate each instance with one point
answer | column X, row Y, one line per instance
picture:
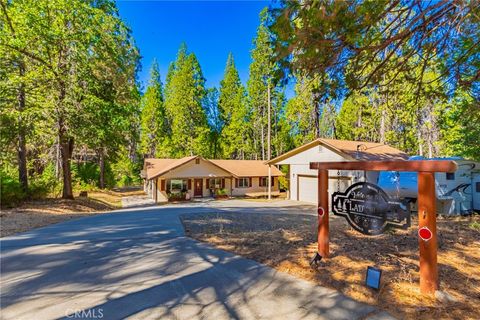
column 220, row 194
column 178, row 196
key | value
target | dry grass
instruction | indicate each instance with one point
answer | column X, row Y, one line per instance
column 35, row 214
column 287, row 242
column 113, row 197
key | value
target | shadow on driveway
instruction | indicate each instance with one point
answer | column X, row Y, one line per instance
column 139, row 264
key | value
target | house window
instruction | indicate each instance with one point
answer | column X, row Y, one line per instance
column 263, row 181
column 477, row 187
column 450, row 176
column 215, row 183
column 197, row 161
column 243, row 182
column 177, row 185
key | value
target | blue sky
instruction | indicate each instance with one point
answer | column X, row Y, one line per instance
column 210, row 29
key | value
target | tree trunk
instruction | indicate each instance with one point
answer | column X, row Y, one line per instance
column 22, row 148
column 263, row 140
column 420, row 142
column 382, row 125
column 101, row 155
column 66, row 148
column 58, row 163
column 316, row 119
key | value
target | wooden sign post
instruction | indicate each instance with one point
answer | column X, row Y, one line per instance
column 427, row 214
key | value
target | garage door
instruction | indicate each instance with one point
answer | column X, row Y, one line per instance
column 307, row 189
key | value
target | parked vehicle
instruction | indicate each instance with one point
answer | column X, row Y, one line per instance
column 457, row 192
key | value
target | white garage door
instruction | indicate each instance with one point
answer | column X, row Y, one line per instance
column 307, row 189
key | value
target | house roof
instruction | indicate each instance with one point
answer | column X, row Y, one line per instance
column 156, row 167
column 246, row 168
column 352, row 150
column 238, row 168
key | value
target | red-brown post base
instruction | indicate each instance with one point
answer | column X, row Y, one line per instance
column 323, row 227
column 427, row 218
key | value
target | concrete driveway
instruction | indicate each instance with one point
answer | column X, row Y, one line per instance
column 138, row 264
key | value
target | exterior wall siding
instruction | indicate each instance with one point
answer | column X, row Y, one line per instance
column 230, row 188
column 300, row 166
column 255, row 188
column 193, row 170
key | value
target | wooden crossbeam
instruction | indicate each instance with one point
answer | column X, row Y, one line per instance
column 395, row 165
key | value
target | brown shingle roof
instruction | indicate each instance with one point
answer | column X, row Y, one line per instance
column 355, row 150
column 156, row 167
column 239, row 168
column 360, row 150
column 246, row 168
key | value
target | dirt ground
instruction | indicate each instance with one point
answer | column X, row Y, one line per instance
column 287, row 242
column 34, row 214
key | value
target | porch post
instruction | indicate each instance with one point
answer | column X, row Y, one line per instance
column 323, row 225
column 427, row 218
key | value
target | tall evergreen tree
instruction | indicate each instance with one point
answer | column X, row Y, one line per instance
column 185, row 91
column 154, row 130
column 233, row 112
column 214, row 120
column 300, row 111
column 68, row 40
column 262, row 74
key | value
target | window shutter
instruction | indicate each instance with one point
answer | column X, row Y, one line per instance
column 250, row 182
column 273, row 181
column 259, row 181
column 162, row 185
column 189, row 184
column 223, row 183
column 236, row 183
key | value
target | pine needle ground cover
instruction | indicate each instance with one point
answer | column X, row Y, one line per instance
column 286, row 241
column 35, row 214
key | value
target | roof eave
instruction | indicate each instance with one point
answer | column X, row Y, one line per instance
column 307, row 146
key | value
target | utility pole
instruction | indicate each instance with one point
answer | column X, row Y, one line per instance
column 269, row 145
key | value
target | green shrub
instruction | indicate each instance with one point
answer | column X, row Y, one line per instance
column 179, row 196
column 45, row 184
column 126, row 173
column 11, row 193
column 220, row 192
column 86, row 176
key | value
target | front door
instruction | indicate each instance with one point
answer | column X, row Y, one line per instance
column 197, row 187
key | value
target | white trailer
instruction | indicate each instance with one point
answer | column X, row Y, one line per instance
column 457, row 192
column 476, row 190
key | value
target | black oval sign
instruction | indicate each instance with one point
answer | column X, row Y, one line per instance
column 369, row 210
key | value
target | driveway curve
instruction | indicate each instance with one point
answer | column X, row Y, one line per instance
column 138, row 264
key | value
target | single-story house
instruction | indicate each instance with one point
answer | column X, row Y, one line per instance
column 196, row 176
column 303, row 185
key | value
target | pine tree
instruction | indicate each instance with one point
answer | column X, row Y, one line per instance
column 359, row 119
column 214, row 120
column 68, row 40
column 300, row 111
column 185, row 91
column 154, row 131
column 262, row 72
column 281, row 139
column 233, row 113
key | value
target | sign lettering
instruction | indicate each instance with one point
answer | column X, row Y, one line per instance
column 369, row 210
